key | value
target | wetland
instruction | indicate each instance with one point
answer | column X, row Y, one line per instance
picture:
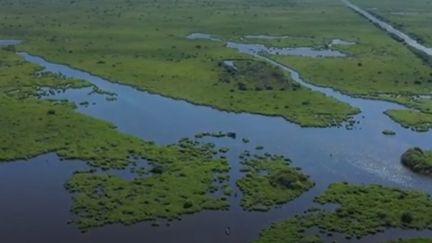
column 191, row 130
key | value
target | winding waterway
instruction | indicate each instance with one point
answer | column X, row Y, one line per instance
column 37, row 206
column 328, row 155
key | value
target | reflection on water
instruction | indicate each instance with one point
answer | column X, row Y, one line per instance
column 285, row 51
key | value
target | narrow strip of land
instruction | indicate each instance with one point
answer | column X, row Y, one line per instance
column 390, row 29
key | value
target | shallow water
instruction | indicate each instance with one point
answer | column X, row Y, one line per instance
column 201, row 36
column 274, row 37
column 266, row 37
column 284, row 51
column 387, row 27
column 329, row 155
column 342, row 42
column 9, row 42
column 262, row 49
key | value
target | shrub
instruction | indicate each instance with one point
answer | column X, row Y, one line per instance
column 51, row 112
column 187, row 204
column 406, row 218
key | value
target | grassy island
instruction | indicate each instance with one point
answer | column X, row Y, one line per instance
column 270, row 180
column 175, row 185
column 416, row 120
column 418, row 160
column 363, row 210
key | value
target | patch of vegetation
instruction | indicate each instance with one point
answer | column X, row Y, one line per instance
column 416, row 120
column 259, row 147
column 219, row 134
column 418, row 117
column 363, row 210
column 31, row 127
column 100, row 199
column 388, row 132
column 418, row 160
column 423, row 104
column 270, row 180
column 21, row 80
column 292, row 230
column 256, row 75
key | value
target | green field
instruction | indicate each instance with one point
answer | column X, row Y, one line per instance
column 412, row 17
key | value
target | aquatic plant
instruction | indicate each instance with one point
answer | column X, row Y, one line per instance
column 388, row 132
